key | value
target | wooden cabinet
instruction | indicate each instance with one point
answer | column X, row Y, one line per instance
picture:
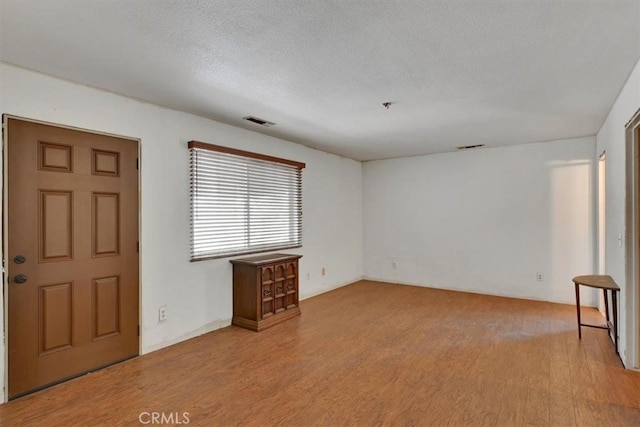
column 265, row 290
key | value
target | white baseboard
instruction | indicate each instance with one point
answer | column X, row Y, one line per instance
column 331, row 288
column 209, row 327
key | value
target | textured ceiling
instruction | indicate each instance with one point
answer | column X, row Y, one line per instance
column 458, row 72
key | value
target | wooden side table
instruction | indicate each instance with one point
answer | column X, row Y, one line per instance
column 265, row 290
column 605, row 283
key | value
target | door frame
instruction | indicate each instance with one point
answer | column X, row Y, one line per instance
column 5, row 230
column 632, row 247
column 601, row 220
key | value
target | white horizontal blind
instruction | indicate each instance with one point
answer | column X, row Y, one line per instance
column 243, row 205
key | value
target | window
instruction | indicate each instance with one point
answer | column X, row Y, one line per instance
column 243, row 202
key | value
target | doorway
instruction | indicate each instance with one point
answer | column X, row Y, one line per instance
column 633, row 136
column 632, row 220
column 602, row 212
column 71, row 234
column 602, row 193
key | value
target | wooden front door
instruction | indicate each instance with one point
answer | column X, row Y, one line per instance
column 73, row 259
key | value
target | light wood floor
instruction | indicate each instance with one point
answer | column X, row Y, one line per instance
column 367, row 354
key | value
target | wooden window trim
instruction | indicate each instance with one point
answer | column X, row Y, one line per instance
column 249, row 154
column 250, row 252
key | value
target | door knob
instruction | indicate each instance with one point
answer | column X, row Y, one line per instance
column 19, row 259
column 20, row 278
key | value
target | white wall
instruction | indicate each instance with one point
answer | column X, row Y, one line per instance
column 611, row 138
column 485, row 220
column 198, row 295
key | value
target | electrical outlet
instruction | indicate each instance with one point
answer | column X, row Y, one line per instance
column 308, row 276
column 162, row 313
column 324, row 271
column 394, row 264
column 539, row 277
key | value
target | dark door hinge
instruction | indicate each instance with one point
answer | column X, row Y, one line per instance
column 138, row 246
column 137, row 164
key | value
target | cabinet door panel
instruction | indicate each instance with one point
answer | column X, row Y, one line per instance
column 267, row 308
column 291, row 271
column 267, row 275
column 267, row 299
column 280, row 296
column 291, row 299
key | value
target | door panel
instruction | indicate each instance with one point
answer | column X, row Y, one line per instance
column 106, row 224
column 56, row 326
column 73, row 216
column 106, row 307
column 55, row 225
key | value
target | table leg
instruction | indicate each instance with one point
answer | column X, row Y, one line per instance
column 578, row 310
column 606, row 305
column 614, row 302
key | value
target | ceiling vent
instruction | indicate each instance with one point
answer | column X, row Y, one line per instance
column 468, row 147
column 259, row 121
